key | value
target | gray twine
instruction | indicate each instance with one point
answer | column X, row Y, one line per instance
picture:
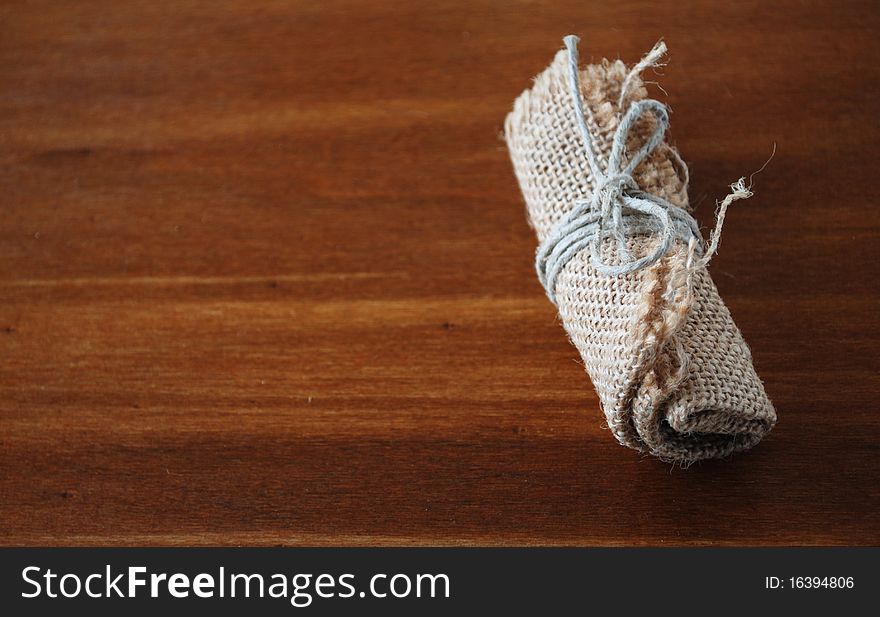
column 618, row 208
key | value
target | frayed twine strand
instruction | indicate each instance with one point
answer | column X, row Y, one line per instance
column 738, row 190
column 651, row 60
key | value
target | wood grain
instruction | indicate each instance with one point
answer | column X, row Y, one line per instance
column 266, row 276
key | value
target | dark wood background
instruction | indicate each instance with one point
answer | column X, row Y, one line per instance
column 266, row 277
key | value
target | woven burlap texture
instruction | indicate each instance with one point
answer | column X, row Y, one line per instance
column 672, row 371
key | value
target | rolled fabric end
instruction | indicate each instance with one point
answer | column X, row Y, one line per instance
column 674, row 376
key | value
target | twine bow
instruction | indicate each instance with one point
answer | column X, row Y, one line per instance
column 618, row 208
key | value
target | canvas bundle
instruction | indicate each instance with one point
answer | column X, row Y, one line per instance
column 625, row 263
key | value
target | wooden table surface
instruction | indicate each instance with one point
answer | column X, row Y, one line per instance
column 266, row 275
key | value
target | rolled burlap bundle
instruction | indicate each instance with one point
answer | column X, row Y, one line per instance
column 624, row 262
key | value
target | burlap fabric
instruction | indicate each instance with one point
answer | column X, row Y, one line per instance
column 672, row 371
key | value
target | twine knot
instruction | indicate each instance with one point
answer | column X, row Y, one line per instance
column 618, row 208
column 611, row 188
